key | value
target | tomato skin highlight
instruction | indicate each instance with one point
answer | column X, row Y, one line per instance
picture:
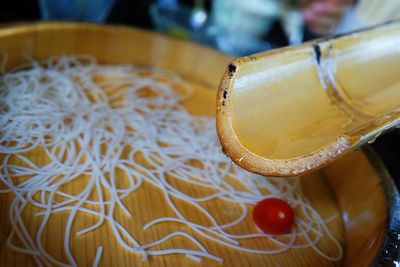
column 273, row 216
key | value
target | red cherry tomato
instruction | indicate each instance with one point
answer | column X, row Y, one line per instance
column 273, row 216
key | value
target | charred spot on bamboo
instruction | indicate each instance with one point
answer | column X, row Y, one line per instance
column 232, row 68
column 225, row 94
column 317, row 53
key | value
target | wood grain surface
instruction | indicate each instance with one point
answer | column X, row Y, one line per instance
column 148, row 203
column 203, row 68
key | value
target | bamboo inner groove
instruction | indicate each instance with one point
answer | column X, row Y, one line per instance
column 274, row 129
column 288, row 105
column 367, row 75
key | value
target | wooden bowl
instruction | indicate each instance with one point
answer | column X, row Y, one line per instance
column 356, row 186
column 293, row 110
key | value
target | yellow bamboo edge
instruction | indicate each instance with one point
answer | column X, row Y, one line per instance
column 280, row 113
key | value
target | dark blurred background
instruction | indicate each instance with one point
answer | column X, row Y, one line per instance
column 289, row 21
column 236, row 27
column 124, row 12
column 127, row 12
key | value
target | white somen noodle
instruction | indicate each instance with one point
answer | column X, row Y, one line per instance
column 89, row 128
